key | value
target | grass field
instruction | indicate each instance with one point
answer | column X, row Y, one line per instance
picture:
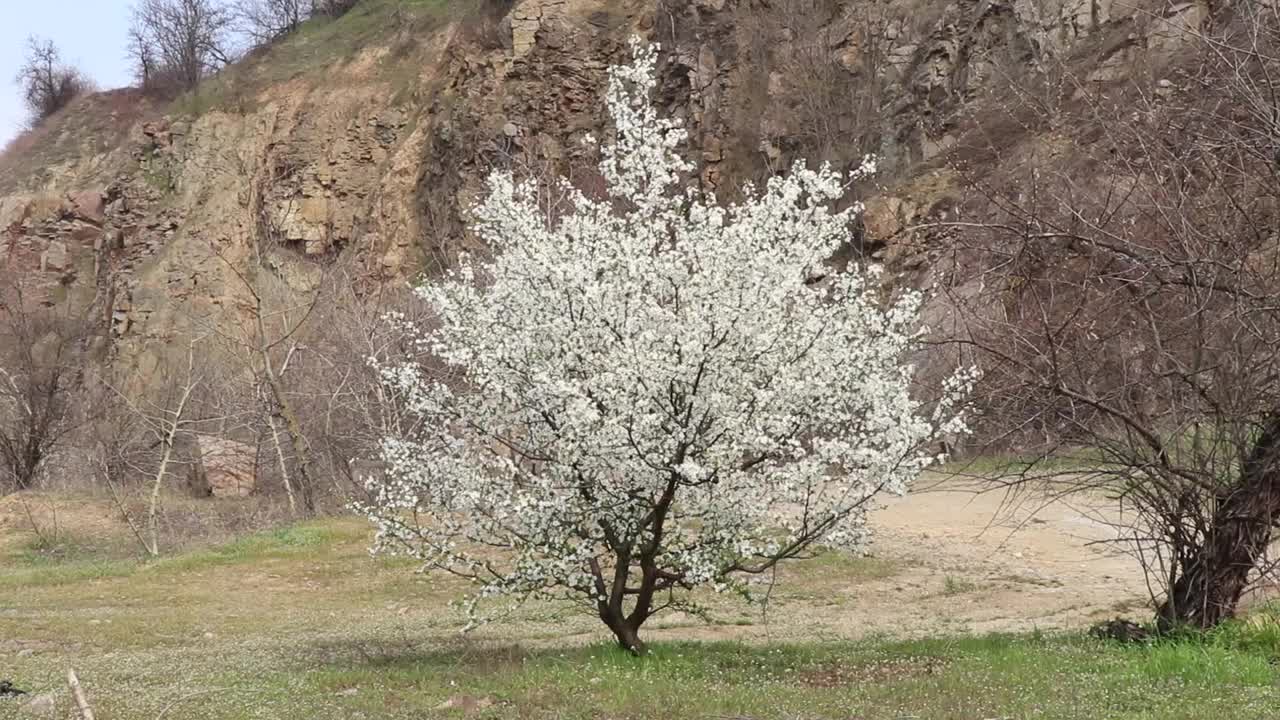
column 301, row 623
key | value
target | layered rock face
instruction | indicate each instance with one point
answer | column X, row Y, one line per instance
column 372, row 159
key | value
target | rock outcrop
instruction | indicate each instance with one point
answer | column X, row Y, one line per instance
column 223, row 468
column 153, row 221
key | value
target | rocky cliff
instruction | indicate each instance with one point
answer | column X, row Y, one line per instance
column 362, row 141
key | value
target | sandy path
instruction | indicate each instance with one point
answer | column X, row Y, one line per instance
column 965, row 562
column 1035, row 564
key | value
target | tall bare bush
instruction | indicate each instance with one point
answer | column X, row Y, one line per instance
column 48, row 84
column 1122, row 300
column 180, row 41
column 41, row 366
column 266, row 20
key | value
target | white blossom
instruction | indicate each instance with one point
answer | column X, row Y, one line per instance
column 655, row 380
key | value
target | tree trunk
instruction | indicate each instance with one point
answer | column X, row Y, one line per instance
column 24, row 479
column 626, row 628
column 284, row 465
column 291, row 425
column 1210, row 586
column 301, row 451
column 153, row 520
column 628, row 635
column 28, row 464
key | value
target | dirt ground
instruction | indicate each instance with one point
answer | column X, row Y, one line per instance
column 950, row 560
column 1015, row 565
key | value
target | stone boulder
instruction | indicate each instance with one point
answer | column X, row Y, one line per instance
column 223, row 467
column 89, row 206
column 882, row 218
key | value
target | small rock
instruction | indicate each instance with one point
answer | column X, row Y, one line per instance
column 882, row 218
column 510, row 130
column 54, row 258
column 26, row 652
column 40, row 706
column 348, row 692
column 227, row 467
column 1120, row 630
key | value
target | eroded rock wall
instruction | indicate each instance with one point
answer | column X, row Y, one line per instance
column 374, row 160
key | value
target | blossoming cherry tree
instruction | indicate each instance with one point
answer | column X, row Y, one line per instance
column 651, row 391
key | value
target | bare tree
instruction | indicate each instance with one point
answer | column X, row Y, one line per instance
column 267, row 349
column 48, row 84
column 270, row 343
column 266, row 20
column 182, row 39
column 166, row 421
column 147, row 70
column 833, row 111
column 333, row 8
column 41, row 362
column 346, row 406
column 1122, row 302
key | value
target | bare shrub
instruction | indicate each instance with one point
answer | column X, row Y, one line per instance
column 1122, row 302
column 41, row 363
column 346, row 406
column 48, row 84
column 333, row 8
column 811, row 82
column 266, row 20
column 163, row 421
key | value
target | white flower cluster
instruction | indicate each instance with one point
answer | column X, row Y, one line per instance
column 653, row 382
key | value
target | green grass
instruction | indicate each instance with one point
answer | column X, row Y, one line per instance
column 299, row 622
column 1211, row 450
column 296, row 540
column 71, row 559
column 958, row 586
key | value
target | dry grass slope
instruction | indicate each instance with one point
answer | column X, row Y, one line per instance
column 89, row 127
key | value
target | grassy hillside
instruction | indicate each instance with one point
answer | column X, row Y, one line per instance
column 390, row 30
column 300, row 623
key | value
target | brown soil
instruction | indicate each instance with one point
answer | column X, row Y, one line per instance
column 962, row 561
column 1015, row 564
